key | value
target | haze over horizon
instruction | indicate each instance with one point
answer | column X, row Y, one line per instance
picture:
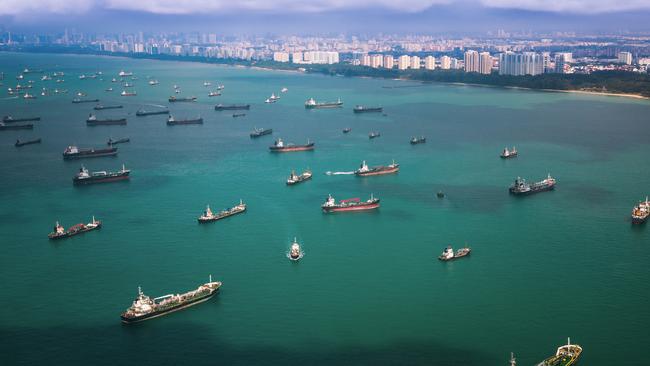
column 332, row 16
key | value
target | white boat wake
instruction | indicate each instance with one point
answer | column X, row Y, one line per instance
column 339, row 173
column 302, row 254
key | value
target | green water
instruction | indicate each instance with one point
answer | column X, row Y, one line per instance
column 369, row 289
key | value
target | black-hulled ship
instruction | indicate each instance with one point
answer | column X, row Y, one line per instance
column 279, row 146
column 85, row 177
column 73, row 152
column 11, row 119
column 173, row 99
column 365, row 171
column 261, row 132
column 311, row 103
column 94, row 121
column 142, row 113
column 418, row 140
column 144, row 308
column 521, row 187
column 347, row 130
column 295, row 178
column 27, row 142
column 351, row 204
column 236, row 115
column 232, row 107
column 79, row 100
column 507, row 154
column 112, row 142
column 60, row 232
column 567, row 355
column 373, row 135
column 209, row 216
column 364, row 109
column 100, row 107
column 171, row 121
column 4, row 127
column 641, row 212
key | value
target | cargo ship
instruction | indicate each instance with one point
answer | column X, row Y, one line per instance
column 279, row 146
column 232, row 107
column 295, row 252
column 418, row 140
column 295, row 178
column 641, row 212
column 373, row 135
column 112, row 142
column 347, row 130
column 28, row 142
column 84, row 177
column 60, row 232
column 365, row 171
column 73, row 152
column 173, row 99
column 28, row 126
column 125, row 93
column 93, row 121
column 521, row 187
column 209, row 216
column 171, row 121
column 141, row 112
column 566, row 355
column 352, row 204
column 261, row 132
column 506, row 154
column 364, row 109
column 311, row 103
column 124, row 73
column 100, row 107
column 11, row 119
column 448, row 254
column 79, row 100
column 214, row 94
column 144, row 308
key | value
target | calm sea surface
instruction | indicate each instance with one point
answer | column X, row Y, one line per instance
column 369, row 289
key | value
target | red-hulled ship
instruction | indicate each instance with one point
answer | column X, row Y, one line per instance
column 365, row 171
column 60, row 232
column 279, row 146
column 351, row 204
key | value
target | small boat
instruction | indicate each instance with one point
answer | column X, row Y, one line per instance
column 112, row 142
column 373, row 135
column 46, row 78
column 123, row 73
column 418, row 140
column 274, row 97
column 220, row 87
column 100, row 107
column 153, row 82
column 60, row 232
column 108, row 89
column 113, row 80
column 207, row 83
column 214, row 94
column 440, row 194
column 449, row 254
column 127, row 85
column 4, row 127
column 209, row 216
column 125, row 93
column 507, row 154
column 566, row 355
column 295, row 252
column 269, row 100
column 260, row 132
column 27, row 142
column 284, row 90
column 11, row 119
column 28, row 96
column 295, row 178
column 347, row 130
column 235, row 115
column 171, row 121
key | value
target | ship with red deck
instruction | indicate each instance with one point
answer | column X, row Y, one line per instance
column 365, row 171
column 351, row 204
column 279, row 146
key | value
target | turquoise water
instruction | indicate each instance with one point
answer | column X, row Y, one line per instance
column 369, row 289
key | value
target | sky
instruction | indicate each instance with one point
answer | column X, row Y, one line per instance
column 317, row 16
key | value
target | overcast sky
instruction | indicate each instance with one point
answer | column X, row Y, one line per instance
column 333, row 15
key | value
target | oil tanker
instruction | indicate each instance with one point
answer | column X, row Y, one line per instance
column 73, row 152
column 93, row 121
column 11, row 119
column 232, row 107
column 352, row 204
column 566, row 355
column 60, row 232
column 84, row 177
column 279, row 146
column 311, row 103
column 171, row 121
column 365, row 171
column 364, row 109
column 521, row 187
column 173, row 99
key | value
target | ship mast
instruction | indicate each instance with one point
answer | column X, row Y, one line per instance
column 513, row 361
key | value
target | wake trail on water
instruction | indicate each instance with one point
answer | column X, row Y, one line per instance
column 339, row 173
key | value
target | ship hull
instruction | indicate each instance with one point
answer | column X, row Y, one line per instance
column 368, row 110
column 196, row 301
column 14, row 120
column 17, row 127
column 323, row 106
column 143, row 114
column 359, row 207
column 639, row 220
column 261, row 133
column 95, row 154
column 532, row 191
column 380, row 171
column 187, row 122
column 508, row 156
column 85, row 101
column 111, row 122
column 298, row 181
column 19, row 144
column 71, row 234
column 292, row 148
column 203, row 221
column 87, row 181
column 232, row 107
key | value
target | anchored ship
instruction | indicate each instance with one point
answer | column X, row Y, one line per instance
column 78, row 100
column 141, row 112
column 373, row 135
column 418, row 140
column 209, row 216
column 236, row 115
column 295, row 178
column 566, row 355
column 295, row 253
column 352, row 204
column 449, row 254
column 94, row 121
column 28, row 126
column 171, row 121
column 112, row 142
column 27, row 142
column 261, row 132
column 11, row 119
column 144, row 307
column 84, row 177
column 364, row 109
column 279, row 146
column 365, row 171
column 231, row 107
column 521, row 187
column 125, row 93
column 506, row 154
column 60, row 232
column 641, row 212
column 347, row 129
column 311, row 103
column 100, row 107
column 73, row 152
column 214, row 94
column 173, row 99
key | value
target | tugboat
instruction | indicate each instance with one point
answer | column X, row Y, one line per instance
column 10, row 119
column 28, row 126
column 295, row 253
column 28, row 96
column 418, row 140
column 521, row 187
column 112, row 142
column 78, row 100
column 295, row 179
column 440, row 194
column 363, row 109
column 274, row 97
column 207, row 83
column 506, row 154
column 214, row 94
column 209, row 216
column 513, row 360
column 124, row 73
column 373, row 135
column 566, row 355
column 125, row 93
column 347, row 130
column 84, row 177
column 257, row 132
column 142, row 113
column 73, row 152
column 641, row 212
column 312, row 104
column 60, row 232
column 231, row 107
column 100, row 107
column 153, row 82
column 448, row 254
column 144, row 308
column 173, row 99
column 93, row 121
column 352, row 204
column 171, row 121
column 28, row 142
column 365, row 171
column 279, row 146
column 269, row 100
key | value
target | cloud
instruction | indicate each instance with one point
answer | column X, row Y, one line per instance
column 570, row 6
column 18, row 7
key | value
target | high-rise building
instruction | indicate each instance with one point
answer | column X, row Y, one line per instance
column 403, row 62
column 445, row 62
column 518, row 64
column 561, row 62
column 376, row 61
column 389, row 61
column 625, row 58
column 280, row 57
column 471, row 61
column 485, row 63
column 365, row 60
column 415, row 62
column 546, row 61
column 430, row 63
column 454, row 64
column 296, row 57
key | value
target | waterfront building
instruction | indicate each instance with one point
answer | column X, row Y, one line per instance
column 454, row 64
column 518, row 64
column 561, row 62
column 445, row 62
column 485, row 63
column 296, row 57
column 415, row 62
column 365, row 60
column 430, row 63
column 625, row 58
column 471, row 61
column 403, row 62
column 376, row 61
column 389, row 62
column 280, row 56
